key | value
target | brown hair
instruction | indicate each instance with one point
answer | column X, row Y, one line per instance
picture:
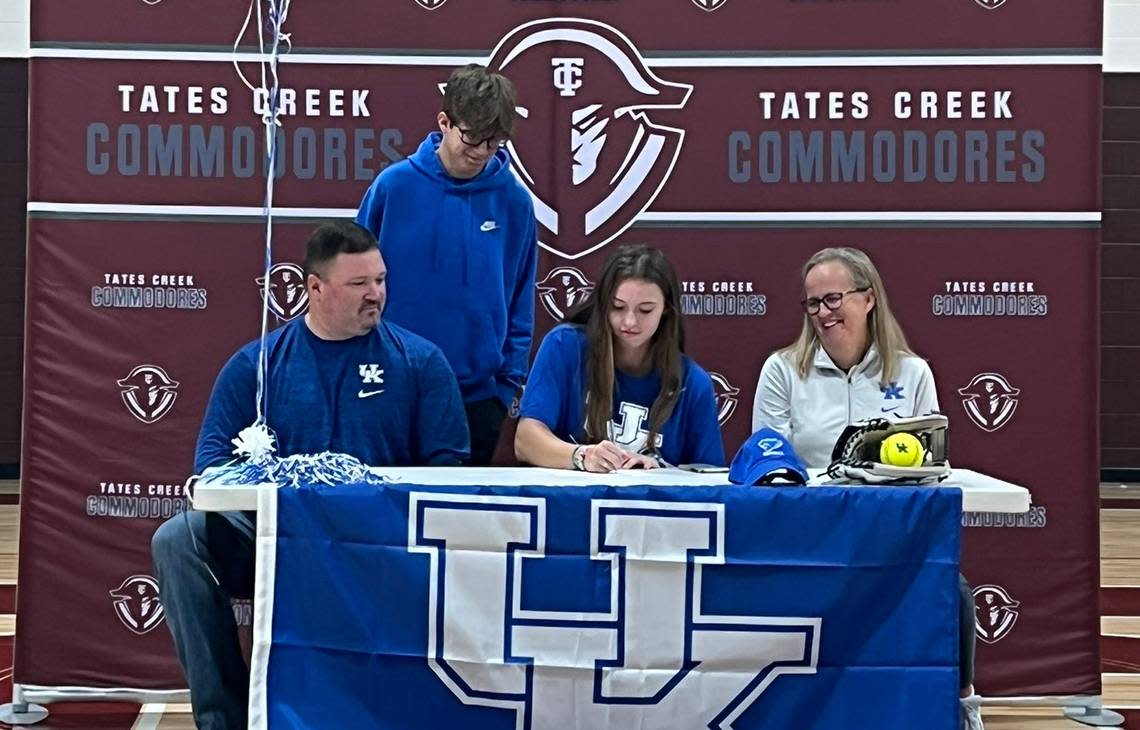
column 482, row 100
column 331, row 239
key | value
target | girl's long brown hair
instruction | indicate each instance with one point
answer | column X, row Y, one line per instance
column 665, row 348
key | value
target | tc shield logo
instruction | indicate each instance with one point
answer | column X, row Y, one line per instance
column 648, row 658
column 710, row 5
column 563, row 289
column 430, row 4
column 990, row 4
column 989, row 400
column 137, row 604
column 607, row 159
column 148, row 392
column 994, row 612
column 287, row 296
column 726, row 397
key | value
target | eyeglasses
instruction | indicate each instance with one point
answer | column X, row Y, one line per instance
column 467, row 137
column 832, row 301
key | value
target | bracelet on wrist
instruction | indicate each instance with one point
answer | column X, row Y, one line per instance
column 578, row 459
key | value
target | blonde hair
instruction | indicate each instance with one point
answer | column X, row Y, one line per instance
column 885, row 330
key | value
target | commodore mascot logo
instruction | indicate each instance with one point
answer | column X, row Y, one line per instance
column 288, row 297
column 989, row 400
column 137, row 604
column 148, row 392
column 563, row 289
column 995, row 613
column 726, row 397
column 608, row 157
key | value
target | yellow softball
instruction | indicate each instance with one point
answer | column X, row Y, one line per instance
column 901, row 449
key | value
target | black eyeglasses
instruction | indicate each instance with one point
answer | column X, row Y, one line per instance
column 831, row 301
column 467, row 137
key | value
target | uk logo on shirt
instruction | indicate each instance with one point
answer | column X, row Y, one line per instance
column 371, row 374
column 892, row 392
column 630, row 429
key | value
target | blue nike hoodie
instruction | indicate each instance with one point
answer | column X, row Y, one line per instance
column 461, row 259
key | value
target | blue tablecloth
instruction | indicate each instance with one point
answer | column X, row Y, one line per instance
column 407, row 606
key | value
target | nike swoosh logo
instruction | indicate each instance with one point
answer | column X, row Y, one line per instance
column 488, row 226
column 368, row 393
column 891, row 410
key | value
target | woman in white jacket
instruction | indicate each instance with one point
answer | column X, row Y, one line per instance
column 850, row 362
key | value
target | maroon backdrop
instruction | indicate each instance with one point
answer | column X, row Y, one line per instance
column 715, row 123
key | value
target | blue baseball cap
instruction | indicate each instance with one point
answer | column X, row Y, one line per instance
column 765, row 457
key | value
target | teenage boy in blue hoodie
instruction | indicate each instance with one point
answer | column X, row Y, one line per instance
column 458, row 233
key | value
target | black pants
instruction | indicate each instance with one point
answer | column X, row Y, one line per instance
column 485, row 421
column 966, row 636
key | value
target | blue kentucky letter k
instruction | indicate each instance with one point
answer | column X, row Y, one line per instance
column 653, row 660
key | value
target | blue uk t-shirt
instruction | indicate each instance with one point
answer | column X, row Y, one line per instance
column 387, row 397
column 556, row 395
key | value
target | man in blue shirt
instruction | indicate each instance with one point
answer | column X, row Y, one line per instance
column 339, row 380
column 458, row 232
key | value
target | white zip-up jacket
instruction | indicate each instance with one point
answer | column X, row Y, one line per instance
column 812, row 412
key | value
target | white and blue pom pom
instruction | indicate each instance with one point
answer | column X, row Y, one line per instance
column 256, row 464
